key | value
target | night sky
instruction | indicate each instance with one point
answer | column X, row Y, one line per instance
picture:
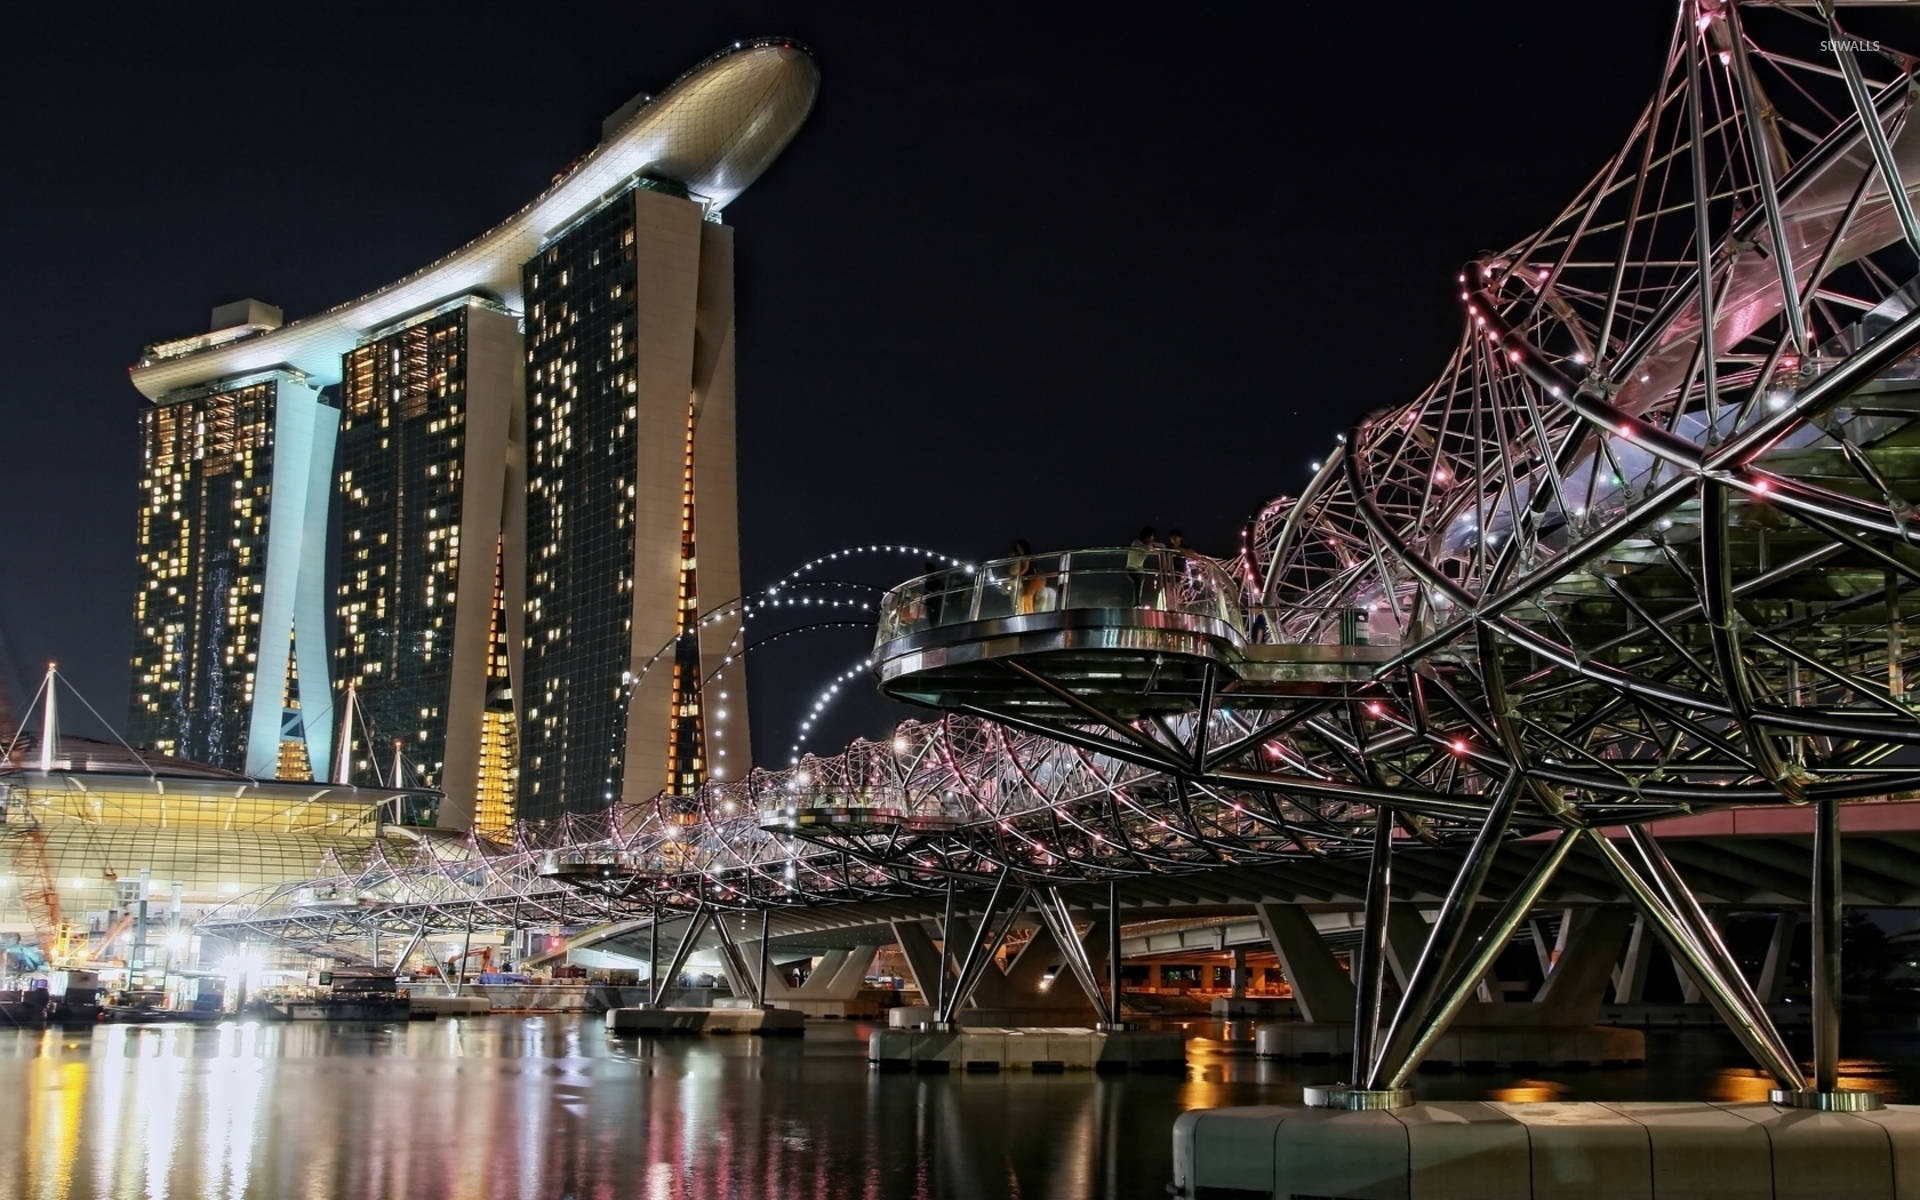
column 1016, row 278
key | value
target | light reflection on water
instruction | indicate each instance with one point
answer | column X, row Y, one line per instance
column 553, row 1107
column 1746, row 1085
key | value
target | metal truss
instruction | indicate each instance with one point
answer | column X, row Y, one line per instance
column 1643, row 548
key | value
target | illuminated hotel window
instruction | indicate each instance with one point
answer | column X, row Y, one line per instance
column 209, row 457
column 581, row 351
column 399, row 432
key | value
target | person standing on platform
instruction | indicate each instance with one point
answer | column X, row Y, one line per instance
column 1142, row 554
column 1022, row 583
column 1179, row 566
column 934, row 592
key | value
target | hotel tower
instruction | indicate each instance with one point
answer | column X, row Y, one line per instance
column 478, row 527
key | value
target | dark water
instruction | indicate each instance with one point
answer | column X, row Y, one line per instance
column 553, row 1107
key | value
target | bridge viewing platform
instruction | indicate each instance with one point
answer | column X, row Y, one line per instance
column 1150, row 631
column 808, row 806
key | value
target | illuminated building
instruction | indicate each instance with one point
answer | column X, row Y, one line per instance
column 630, row 458
column 81, row 820
column 594, row 328
column 425, row 613
column 229, row 614
column 104, row 813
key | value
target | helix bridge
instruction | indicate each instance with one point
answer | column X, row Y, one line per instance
column 1643, row 548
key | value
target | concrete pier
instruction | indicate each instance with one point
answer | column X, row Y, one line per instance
column 1494, row 1151
column 1469, row 1047
column 442, row 1005
column 728, row 1019
column 1027, row 1049
column 912, row 1016
column 869, row 1004
column 909, row 1016
column 1237, row 1008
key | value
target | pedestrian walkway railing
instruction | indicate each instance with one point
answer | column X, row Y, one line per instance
column 1111, row 578
column 799, row 807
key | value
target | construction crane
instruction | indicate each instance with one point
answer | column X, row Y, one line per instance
column 37, row 892
column 97, row 947
column 456, row 965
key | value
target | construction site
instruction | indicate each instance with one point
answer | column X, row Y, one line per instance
column 110, row 855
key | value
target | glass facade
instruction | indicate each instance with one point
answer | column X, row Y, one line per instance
column 450, row 435
column 205, row 491
column 582, row 426
column 92, row 834
column 401, row 462
column 490, row 405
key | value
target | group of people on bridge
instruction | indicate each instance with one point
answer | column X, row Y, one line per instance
column 1146, row 573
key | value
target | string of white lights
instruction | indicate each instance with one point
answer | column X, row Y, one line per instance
column 920, row 552
column 776, row 597
column 826, row 697
column 773, row 598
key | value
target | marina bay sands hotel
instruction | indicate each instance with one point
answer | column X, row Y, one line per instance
column 469, row 522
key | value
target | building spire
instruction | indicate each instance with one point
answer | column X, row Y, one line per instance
column 50, row 718
column 343, row 750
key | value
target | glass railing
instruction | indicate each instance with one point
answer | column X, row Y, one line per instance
column 1121, row 578
column 777, row 804
column 672, row 858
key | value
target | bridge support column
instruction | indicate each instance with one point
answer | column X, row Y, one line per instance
column 1417, row 1019
column 466, row 948
column 769, row 984
column 760, row 988
column 406, row 951
column 1456, row 963
column 982, row 946
column 1826, row 1092
column 1577, row 985
column 1053, row 910
column 941, row 978
column 1663, row 898
column 1826, row 947
column 1239, row 973
column 820, row 980
column 924, row 960
column 1321, row 990
column 1024, row 985
column 653, row 950
column 852, row 975
column 741, row 980
column 1543, row 953
column 831, row 988
column 689, row 937
column 1406, row 937
column 1690, row 992
column 1369, row 972
column 1630, row 978
column 1028, row 971
column 1773, row 971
